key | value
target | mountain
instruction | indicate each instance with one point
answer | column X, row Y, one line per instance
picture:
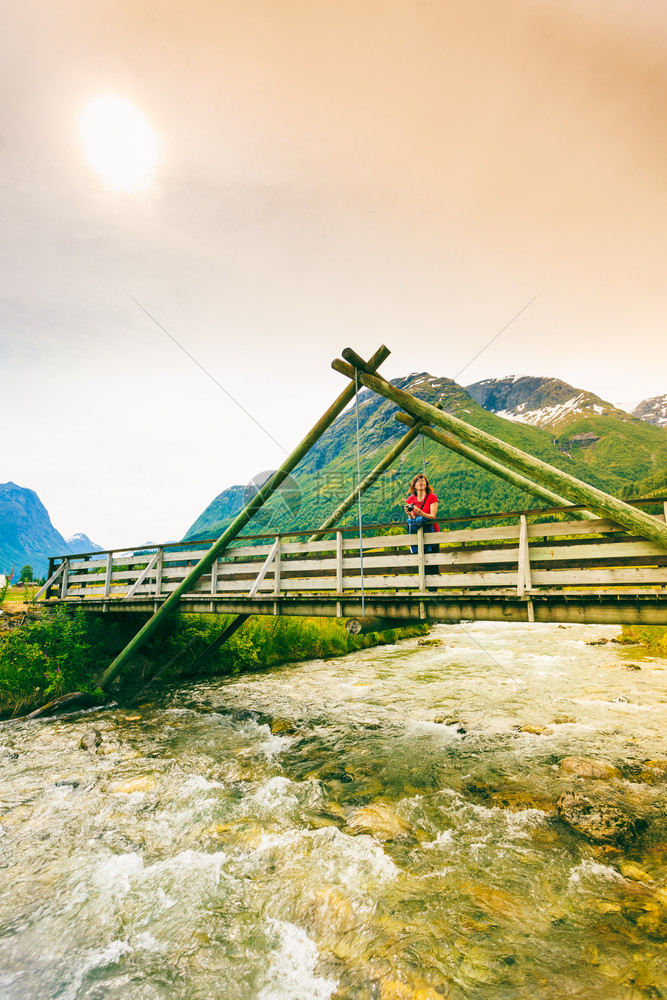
column 600, row 444
column 27, row 537
column 653, row 410
column 81, row 543
column 539, row 401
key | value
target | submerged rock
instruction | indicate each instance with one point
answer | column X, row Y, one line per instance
column 282, row 727
column 536, row 730
column 598, row 821
column 91, row 740
column 380, row 821
column 583, row 767
column 429, row 642
column 142, row 784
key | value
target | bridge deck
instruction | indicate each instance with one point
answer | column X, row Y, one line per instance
column 567, row 571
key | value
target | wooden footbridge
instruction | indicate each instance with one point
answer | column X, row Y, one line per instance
column 586, row 557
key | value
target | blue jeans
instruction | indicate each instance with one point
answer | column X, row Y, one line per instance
column 414, row 524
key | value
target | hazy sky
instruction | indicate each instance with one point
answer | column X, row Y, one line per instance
column 330, row 173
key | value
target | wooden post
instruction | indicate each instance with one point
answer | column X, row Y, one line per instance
column 420, row 560
column 523, row 581
column 63, row 585
column 237, row 525
column 276, row 568
column 339, row 563
column 367, row 482
column 573, row 489
column 447, row 441
column 158, row 572
column 107, row 575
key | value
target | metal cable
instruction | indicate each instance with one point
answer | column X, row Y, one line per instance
column 361, row 547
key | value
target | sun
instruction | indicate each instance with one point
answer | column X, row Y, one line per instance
column 119, row 143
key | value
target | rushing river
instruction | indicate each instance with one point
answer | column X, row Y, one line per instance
column 375, row 826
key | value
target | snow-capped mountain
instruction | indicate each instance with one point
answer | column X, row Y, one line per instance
column 79, row 542
column 653, row 410
column 539, row 401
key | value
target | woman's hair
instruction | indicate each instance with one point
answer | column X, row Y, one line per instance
column 420, row 475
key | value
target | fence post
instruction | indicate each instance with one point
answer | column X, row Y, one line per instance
column 420, row 560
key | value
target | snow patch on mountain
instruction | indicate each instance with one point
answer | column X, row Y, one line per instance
column 653, row 410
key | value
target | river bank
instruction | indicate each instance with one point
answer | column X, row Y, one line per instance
column 481, row 818
column 652, row 637
column 44, row 656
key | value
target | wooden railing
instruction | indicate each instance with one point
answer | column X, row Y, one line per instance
column 521, row 558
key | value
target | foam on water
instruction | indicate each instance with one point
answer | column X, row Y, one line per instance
column 291, row 974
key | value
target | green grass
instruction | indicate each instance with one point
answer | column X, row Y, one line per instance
column 654, row 637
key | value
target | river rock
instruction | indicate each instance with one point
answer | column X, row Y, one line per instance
column 380, row 821
column 91, row 740
column 631, row 871
column 282, row 727
column 601, row 822
column 583, row 767
column 657, row 766
column 142, row 784
column 536, row 730
column 429, row 642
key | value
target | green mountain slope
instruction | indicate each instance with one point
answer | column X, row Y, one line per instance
column 612, row 451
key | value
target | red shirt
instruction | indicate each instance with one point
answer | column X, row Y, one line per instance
column 427, row 503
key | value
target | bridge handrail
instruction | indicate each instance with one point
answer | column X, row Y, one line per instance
column 205, row 543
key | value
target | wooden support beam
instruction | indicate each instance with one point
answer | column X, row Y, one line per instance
column 573, row 489
column 237, row 525
column 273, row 551
column 372, row 623
column 219, row 641
column 148, row 568
column 484, row 462
column 51, row 580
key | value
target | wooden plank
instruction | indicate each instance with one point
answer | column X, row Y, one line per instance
column 265, row 567
column 214, row 577
column 600, row 577
column 63, row 582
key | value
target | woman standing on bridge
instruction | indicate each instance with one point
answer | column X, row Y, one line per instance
column 422, row 510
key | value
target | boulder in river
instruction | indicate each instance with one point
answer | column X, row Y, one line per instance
column 600, row 822
column 584, row 767
column 536, row 730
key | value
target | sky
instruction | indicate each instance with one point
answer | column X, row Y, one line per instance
column 329, row 173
